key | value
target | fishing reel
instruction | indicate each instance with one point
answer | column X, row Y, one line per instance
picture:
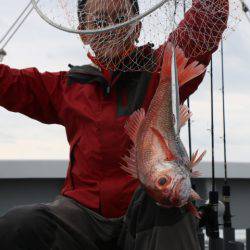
column 211, row 213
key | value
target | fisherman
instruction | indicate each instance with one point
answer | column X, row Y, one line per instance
column 95, row 209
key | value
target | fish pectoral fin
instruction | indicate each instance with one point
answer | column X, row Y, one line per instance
column 193, row 210
column 164, row 144
column 134, row 122
column 130, row 160
column 130, row 170
column 185, row 115
column 196, row 160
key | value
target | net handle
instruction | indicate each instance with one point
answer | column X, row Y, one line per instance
column 93, row 31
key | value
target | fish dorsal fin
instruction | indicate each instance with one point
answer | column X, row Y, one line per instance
column 130, row 160
column 185, row 115
column 162, row 141
column 134, row 122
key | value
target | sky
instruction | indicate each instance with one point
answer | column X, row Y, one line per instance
column 39, row 45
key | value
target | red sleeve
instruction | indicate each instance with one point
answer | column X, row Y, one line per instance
column 209, row 20
column 31, row 93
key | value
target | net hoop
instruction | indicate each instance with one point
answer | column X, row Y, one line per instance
column 96, row 31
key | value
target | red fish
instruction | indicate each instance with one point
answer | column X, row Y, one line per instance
column 158, row 158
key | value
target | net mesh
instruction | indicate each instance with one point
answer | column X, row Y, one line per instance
column 138, row 46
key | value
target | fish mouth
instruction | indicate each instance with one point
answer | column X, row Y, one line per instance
column 174, row 201
column 175, row 198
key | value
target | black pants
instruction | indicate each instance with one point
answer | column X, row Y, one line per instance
column 66, row 225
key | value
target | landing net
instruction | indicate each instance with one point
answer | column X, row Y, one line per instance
column 129, row 35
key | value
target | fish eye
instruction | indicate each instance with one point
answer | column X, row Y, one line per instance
column 163, row 181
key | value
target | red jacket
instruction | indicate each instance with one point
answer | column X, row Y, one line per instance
column 93, row 106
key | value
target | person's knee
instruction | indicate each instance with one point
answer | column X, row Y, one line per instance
column 21, row 216
column 22, row 222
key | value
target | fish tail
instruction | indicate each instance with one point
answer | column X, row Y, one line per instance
column 186, row 71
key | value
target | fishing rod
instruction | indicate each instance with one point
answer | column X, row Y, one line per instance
column 210, row 211
column 228, row 230
column 213, row 231
column 226, row 187
column 22, row 17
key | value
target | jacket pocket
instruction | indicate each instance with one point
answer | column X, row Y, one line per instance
column 69, row 183
column 72, row 159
